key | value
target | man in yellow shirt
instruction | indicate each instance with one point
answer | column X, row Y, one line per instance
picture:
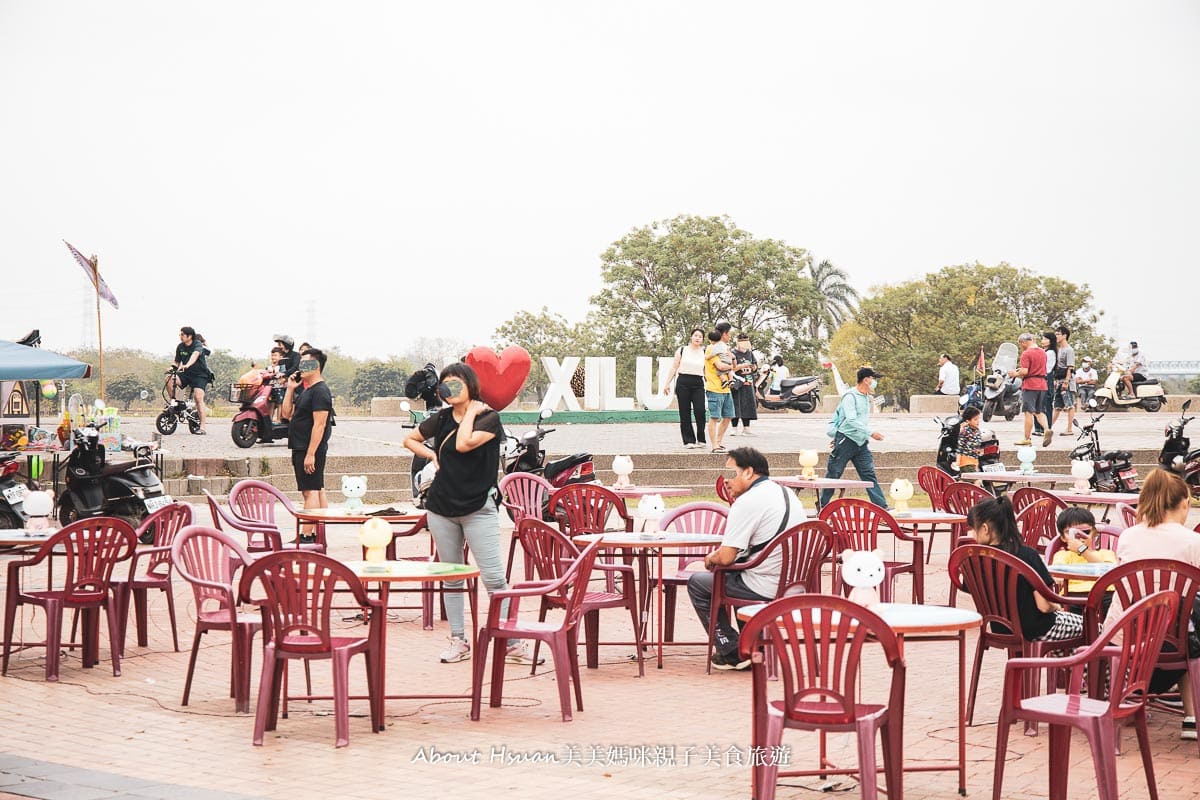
column 718, row 368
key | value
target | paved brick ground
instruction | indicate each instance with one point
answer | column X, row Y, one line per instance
column 676, row 733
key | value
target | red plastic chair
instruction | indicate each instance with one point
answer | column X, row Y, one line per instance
column 208, row 560
column 164, row 524
column 260, row 537
column 1028, row 495
column 934, row 483
column 990, row 575
column 857, row 524
column 585, row 508
column 254, row 501
column 699, row 517
column 549, row 553
column 525, row 495
column 723, row 490
column 90, row 549
column 1038, row 523
column 1141, row 631
column 818, row 656
column 561, row 635
column 960, row 497
column 299, row 588
column 1127, row 515
column 1131, row 582
column 801, row 549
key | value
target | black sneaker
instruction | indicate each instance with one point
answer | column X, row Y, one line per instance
column 731, row 661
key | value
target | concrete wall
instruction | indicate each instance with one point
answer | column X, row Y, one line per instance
column 932, row 404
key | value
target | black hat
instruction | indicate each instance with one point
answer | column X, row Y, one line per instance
column 867, row 372
column 1133, row 344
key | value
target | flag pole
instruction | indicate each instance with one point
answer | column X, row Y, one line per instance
column 99, row 329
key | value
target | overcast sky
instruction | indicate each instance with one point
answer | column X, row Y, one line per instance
column 362, row 173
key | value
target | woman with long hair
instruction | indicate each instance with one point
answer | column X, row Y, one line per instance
column 463, row 499
column 995, row 524
column 1160, row 532
column 688, row 374
column 1050, row 345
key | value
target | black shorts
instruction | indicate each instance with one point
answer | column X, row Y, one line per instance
column 191, row 382
column 1033, row 400
column 309, row 482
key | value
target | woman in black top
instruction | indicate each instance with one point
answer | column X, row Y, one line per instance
column 745, row 403
column 461, row 504
column 995, row 524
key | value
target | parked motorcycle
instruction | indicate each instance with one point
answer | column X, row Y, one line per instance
column 12, row 492
column 1113, row 470
column 176, row 411
column 525, row 454
column 253, row 421
column 801, row 394
column 1147, row 392
column 1175, row 454
column 1002, row 394
column 971, row 396
column 93, row 488
column 947, row 453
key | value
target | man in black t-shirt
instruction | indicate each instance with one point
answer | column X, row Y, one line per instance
column 310, row 411
column 194, row 374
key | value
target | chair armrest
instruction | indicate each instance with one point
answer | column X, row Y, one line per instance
column 903, row 535
column 145, row 551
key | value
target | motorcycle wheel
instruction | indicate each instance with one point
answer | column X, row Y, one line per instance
column 194, row 424
column 1101, row 403
column 806, row 408
column 66, row 511
column 166, row 423
column 10, row 521
column 1152, row 404
column 1009, row 417
column 989, row 408
column 244, row 432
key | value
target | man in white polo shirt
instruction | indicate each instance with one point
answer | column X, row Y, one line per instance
column 761, row 510
column 947, row 376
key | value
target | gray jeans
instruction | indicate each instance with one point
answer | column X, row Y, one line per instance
column 481, row 530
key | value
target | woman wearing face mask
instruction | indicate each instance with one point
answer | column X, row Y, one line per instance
column 461, row 504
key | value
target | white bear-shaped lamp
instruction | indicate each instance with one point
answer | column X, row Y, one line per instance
column 808, row 460
column 375, row 535
column 1026, row 455
column 355, row 488
column 862, row 570
column 38, row 506
column 650, row 509
column 623, row 466
column 901, row 492
column 1082, row 470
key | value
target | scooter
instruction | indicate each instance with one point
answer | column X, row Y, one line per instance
column 12, row 493
column 1112, row 471
column 253, row 421
column 1002, row 394
column 801, row 394
column 1147, row 393
column 129, row 490
column 525, row 454
column 176, row 411
column 947, row 454
column 972, row 396
column 1175, row 454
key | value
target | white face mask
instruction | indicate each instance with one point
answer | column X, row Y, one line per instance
column 871, row 384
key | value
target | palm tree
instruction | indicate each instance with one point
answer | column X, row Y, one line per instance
column 839, row 296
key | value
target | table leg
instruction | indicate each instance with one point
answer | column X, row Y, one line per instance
column 383, row 597
column 659, row 602
column 962, row 713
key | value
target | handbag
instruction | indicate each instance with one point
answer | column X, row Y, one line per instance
column 1193, row 637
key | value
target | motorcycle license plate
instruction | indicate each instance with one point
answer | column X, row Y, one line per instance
column 155, row 503
column 15, row 494
column 993, row 468
column 1128, row 473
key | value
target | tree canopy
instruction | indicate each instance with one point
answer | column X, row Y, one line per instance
column 901, row 330
column 544, row 334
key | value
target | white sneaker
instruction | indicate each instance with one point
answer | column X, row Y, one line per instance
column 735, row 431
column 749, row 432
column 519, row 653
column 459, row 650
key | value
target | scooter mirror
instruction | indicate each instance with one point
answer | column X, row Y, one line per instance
column 144, row 394
column 962, row 401
column 546, row 413
column 405, row 406
column 1092, row 402
column 1186, row 405
column 1075, row 422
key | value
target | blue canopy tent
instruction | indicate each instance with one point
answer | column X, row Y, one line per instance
column 20, row 362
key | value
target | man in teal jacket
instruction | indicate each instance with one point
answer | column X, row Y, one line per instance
column 851, row 429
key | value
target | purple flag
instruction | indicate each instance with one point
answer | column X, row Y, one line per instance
column 94, row 275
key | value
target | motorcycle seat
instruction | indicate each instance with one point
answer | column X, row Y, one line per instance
column 788, row 383
column 1117, row 455
column 565, row 463
column 1146, row 382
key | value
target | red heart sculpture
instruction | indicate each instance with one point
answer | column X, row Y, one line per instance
column 501, row 377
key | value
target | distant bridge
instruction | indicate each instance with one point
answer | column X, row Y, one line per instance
column 1179, row 368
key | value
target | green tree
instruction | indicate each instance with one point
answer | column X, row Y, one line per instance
column 543, row 334
column 663, row 279
column 960, row 309
column 1193, row 386
column 838, row 301
column 377, row 379
column 124, row 389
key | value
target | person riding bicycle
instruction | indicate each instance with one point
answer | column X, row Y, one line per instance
column 192, row 365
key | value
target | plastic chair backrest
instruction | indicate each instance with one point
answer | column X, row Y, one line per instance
column 260, row 536
column 208, row 559
column 574, row 584
column 299, row 587
column 723, row 491
column 805, row 548
column 1038, row 523
column 525, row 494
column 585, row 508
column 819, row 640
column 698, row 517
column 255, row 501
column 990, row 576
column 1142, row 630
column 89, row 550
column 1028, row 495
column 1128, row 515
column 1134, row 580
column 549, row 551
column 165, row 525
column 934, row 483
column 1105, row 538
column 856, row 523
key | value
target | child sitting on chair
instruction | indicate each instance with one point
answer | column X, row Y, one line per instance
column 1077, row 529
